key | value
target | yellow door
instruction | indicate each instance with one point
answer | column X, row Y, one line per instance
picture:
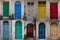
column 41, row 10
column 54, row 30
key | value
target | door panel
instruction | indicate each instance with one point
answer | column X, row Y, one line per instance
column 17, row 10
column 5, row 9
column 18, row 30
column 41, row 31
column 30, row 30
column 5, row 30
column 41, row 10
column 54, row 30
column 53, row 10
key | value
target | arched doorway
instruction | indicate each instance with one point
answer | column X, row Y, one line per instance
column 18, row 30
column 30, row 30
column 41, row 31
column 17, row 10
column 53, row 30
column 5, row 9
column 5, row 30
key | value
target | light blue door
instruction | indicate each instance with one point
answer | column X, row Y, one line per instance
column 41, row 30
column 18, row 10
column 18, row 30
column 5, row 30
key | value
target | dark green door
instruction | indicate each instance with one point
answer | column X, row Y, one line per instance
column 5, row 9
column 18, row 30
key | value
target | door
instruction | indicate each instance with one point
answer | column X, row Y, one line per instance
column 53, row 10
column 5, row 30
column 53, row 30
column 41, row 10
column 30, row 30
column 41, row 31
column 30, row 11
column 17, row 10
column 18, row 30
column 5, row 9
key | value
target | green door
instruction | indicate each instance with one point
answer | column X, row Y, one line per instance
column 5, row 9
column 18, row 30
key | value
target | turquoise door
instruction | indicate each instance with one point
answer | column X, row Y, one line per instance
column 41, row 31
column 18, row 30
column 18, row 10
column 5, row 9
column 5, row 30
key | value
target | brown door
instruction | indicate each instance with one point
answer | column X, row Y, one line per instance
column 54, row 30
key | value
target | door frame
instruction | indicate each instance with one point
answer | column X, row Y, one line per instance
column 13, row 30
column 37, row 26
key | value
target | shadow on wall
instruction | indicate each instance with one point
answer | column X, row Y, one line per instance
column 58, row 38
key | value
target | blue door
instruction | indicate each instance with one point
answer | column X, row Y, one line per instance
column 18, row 30
column 17, row 10
column 41, row 30
column 5, row 30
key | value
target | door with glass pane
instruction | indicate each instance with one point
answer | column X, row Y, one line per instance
column 30, row 11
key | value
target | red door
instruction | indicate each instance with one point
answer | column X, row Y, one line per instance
column 53, row 10
column 29, row 30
